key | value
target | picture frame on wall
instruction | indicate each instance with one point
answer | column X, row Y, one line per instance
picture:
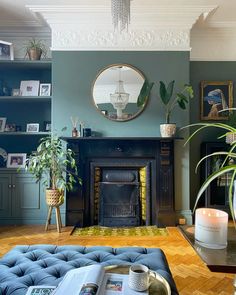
column 29, row 88
column 45, row 89
column 15, row 160
column 215, row 97
column 2, row 124
column 6, row 50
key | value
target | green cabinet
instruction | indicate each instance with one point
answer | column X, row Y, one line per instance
column 22, row 200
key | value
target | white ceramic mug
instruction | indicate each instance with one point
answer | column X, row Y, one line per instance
column 138, row 277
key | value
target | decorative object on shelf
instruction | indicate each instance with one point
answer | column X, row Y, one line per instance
column 56, row 166
column 2, row 124
column 16, row 160
column 10, row 127
column 87, row 132
column 35, row 49
column 29, row 88
column 216, row 96
column 120, row 12
column 181, row 99
column 6, row 50
column 16, row 92
column 45, row 89
column 5, row 90
column 226, row 166
column 18, row 128
column 32, row 127
column 211, row 228
column 3, row 157
column 122, row 105
column 47, row 126
column 74, row 121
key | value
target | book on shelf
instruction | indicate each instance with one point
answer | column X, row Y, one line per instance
column 89, row 280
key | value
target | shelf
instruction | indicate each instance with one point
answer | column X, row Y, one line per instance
column 25, row 98
column 23, row 133
column 26, row 64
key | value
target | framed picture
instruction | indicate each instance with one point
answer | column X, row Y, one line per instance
column 216, row 96
column 32, row 127
column 2, row 124
column 16, row 160
column 10, row 127
column 29, row 88
column 47, row 126
column 6, row 51
column 45, row 89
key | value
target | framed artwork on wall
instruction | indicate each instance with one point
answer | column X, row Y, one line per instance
column 215, row 97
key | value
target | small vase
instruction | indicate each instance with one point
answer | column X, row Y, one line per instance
column 34, row 53
column 74, row 132
column 167, row 130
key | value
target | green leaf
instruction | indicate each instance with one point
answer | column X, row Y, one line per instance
column 144, row 93
column 166, row 93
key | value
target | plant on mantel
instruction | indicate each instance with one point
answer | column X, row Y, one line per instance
column 228, row 165
column 170, row 102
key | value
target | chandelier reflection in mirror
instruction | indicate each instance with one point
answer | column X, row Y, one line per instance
column 120, row 98
column 116, row 90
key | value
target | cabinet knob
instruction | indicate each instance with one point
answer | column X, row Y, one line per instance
column 13, row 186
column 9, row 185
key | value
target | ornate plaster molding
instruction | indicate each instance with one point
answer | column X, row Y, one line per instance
column 153, row 26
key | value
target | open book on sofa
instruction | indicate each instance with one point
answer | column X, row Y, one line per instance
column 92, row 280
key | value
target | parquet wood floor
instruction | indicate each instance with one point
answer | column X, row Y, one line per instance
column 192, row 277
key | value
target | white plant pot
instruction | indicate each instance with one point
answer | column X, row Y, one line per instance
column 168, row 130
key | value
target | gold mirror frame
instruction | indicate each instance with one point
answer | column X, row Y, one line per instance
column 116, row 105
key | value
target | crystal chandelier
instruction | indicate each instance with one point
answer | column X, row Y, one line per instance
column 120, row 98
column 120, row 11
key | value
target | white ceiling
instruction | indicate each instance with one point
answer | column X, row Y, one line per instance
column 15, row 14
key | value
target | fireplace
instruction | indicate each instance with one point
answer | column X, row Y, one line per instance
column 125, row 182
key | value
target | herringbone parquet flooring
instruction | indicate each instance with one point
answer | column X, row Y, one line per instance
column 192, row 277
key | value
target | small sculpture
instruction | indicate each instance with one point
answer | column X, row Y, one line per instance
column 74, row 121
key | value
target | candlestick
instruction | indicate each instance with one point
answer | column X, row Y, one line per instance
column 211, row 228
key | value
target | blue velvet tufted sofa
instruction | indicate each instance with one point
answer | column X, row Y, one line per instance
column 26, row 266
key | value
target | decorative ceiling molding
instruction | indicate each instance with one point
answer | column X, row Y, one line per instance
column 213, row 44
column 153, row 27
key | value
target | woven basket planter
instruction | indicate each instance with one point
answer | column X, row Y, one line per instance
column 54, row 197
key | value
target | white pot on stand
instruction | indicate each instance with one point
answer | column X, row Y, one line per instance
column 168, row 130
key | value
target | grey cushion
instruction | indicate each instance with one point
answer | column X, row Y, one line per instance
column 26, row 266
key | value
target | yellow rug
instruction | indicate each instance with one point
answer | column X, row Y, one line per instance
column 119, row 231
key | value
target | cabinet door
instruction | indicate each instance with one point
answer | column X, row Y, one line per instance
column 5, row 195
column 28, row 201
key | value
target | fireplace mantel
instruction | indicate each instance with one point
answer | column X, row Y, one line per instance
column 91, row 152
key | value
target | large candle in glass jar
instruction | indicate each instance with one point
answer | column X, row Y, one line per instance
column 211, row 228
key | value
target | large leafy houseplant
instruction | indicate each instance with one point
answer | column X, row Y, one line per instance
column 180, row 99
column 54, row 165
column 228, row 165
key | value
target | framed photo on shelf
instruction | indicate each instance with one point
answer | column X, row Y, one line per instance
column 16, row 160
column 6, row 51
column 32, row 127
column 2, row 124
column 29, row 88
column 215, row 97
column 47, row 126
column 45, row 89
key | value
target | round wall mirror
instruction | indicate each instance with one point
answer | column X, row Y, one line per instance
column 116, row 90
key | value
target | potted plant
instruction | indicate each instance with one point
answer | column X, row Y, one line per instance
column 228, row 165
column 35, row 49
column 56, row 166
column 180, row 99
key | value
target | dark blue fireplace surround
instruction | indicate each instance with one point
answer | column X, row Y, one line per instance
column 156, row 154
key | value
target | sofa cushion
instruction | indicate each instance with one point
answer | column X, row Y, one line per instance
column 26, row 266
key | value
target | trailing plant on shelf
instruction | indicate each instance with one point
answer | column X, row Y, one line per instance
column 170, row 101
column 55, row 166
column 35, row 49
column 228, row 165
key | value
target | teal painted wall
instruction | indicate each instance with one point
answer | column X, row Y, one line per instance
column 73, row 76
column 209, row 71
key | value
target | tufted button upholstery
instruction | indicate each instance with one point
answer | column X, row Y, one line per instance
column 26, row 266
